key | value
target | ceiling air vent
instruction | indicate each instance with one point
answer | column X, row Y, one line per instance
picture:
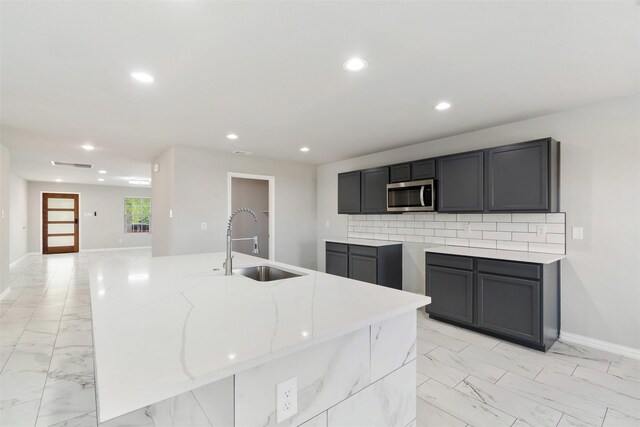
column 73, row 165
column 242, row 153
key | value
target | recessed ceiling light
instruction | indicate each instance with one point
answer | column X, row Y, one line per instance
column 88, row 147
column 136, row 182
column 304, row 149
column 58, row 180
column 102, row 171
column 444, row 105
column 142, row 77
column 355, row 64
column 232, row 136
column 101, row 179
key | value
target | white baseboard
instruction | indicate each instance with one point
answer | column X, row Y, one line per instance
column 5, row 292
column 622, row 350
column 116, row 249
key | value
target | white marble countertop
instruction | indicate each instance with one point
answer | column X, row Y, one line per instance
column 364, row 242
column 520, row 256
column 167, row 325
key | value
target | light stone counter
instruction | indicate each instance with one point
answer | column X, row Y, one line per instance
column 171, row 331
column 520, row 256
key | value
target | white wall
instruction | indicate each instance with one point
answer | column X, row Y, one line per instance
column 600, row 182
column 4, row 218
column 199, row 193
column 104, row 231
column 18, row 217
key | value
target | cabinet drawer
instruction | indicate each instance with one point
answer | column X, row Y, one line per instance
column 507, row 268
column 363, row 250
column 452, row 261
column 337, row 247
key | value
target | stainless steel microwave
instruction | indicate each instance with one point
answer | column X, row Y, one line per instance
column 411, row 196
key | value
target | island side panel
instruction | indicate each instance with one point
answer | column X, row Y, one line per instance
column 393, row 344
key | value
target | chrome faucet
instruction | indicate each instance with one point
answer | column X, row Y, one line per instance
column 228, row 262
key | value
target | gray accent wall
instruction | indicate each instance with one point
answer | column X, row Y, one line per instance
column 196, row 192
column 103, row 231
column 600, row 177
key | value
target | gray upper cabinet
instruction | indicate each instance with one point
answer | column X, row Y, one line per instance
column 349, row 192
column 400, row 173
column 374, row 190
column 423, row 169
column 461, row 182
column 522, row 177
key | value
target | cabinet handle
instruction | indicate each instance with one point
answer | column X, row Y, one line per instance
column 422, row 195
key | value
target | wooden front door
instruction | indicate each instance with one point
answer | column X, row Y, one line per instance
column 59, row 223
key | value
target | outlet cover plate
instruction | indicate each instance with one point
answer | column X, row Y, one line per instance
column 286, row 399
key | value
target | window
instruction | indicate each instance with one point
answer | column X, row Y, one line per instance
column 137, row 215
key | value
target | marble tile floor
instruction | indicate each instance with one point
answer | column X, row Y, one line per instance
column 464, row 378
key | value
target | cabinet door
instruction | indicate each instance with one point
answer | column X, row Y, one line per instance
column 518, row 177
column 400, row 173
column 509, row 306
column 349, row 192
column 451, row 293
column 337, row 263
column 363, row 268
column 423, row 169
column 374, row 190
column 460, row 182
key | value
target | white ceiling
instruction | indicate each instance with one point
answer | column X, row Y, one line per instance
column 272, row 73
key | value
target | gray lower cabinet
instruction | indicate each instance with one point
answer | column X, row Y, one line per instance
column 380, row 265
column 451, row 292
column 461, row 182
column 515, row 301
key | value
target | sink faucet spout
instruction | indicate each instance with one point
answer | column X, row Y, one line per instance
column 228, row 263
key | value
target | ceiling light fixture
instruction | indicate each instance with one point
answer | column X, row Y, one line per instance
column 305, row 149
column 142, row 77
column 102, row 172
column 58, row 180
column 136, row 182
column 101, row 179
column 88, row 147
column 232, row 136
column 443, row 105
column 355, row 64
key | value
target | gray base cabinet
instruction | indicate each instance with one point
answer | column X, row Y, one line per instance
column 516, row 301
column 381, row 265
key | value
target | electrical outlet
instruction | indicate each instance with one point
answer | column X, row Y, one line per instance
column 204, row 226
column 286, row 399
column 577, row 233
column 541, row 230
column 466, row 227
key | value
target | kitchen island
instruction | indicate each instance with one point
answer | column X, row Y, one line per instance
column 179, row 343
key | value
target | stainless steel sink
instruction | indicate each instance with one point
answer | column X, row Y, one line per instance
column 265, row 273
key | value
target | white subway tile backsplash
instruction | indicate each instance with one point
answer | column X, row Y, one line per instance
column 496, row 235
column 445, row 233
column 550, row 228
column 528, row 237
column 546, row 247
column 512, row 246
column 415, row 224
column 435, row 224
column 454, row 241
column 435, row 240
column 556, row 238
column 470, row 217
column 488, row 244
column 522, row 227
column 556, row 217
column 502, row 217
column 528, row 217
column 505, row 231
column 425, row 232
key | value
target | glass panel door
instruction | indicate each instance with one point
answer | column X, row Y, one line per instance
column 60, row 228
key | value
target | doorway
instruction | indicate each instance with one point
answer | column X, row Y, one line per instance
column 60, row 228
column 255, row 192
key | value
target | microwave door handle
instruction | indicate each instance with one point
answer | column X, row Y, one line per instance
column 422, row 195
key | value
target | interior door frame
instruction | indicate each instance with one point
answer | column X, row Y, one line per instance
column 272, row 204
column 79, row 215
